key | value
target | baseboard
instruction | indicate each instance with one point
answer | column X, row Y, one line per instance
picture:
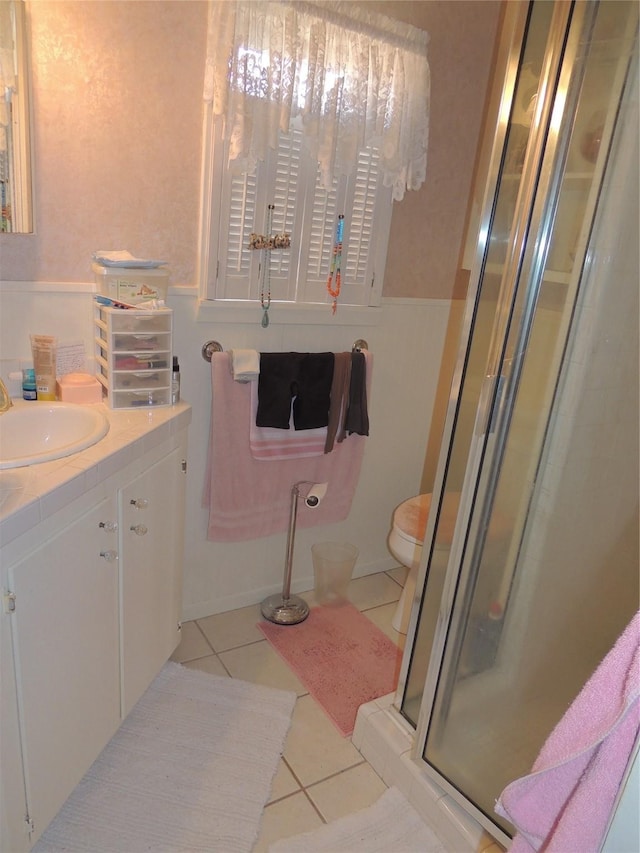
column 200, row 609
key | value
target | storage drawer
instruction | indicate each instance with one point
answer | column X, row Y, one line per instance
column 141, row 361
column 144, row 397
column 140, row 322
column 152, row 342
column 134, row 380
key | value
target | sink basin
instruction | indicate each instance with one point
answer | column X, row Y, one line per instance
column 39, row 432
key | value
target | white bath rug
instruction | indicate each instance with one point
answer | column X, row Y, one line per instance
column 189, row 769
column 389, row 825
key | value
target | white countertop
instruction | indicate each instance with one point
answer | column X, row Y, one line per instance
column 31, row 494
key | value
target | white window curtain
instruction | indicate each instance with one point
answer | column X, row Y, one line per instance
column 355, row 79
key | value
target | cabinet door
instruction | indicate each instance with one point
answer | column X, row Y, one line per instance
column 13, row 806
column 65, row 638
column 152, row 523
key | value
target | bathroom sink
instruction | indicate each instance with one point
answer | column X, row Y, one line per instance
column 38, row 432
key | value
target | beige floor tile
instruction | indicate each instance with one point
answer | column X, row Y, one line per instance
column 315, row 748
column 210, row 664
column 284, row 783
column 287, row 817
column 259, row 664
column 192, row 645
column 372, row 591
column 399, row 574
column 382, row 616
column 355, row 789
column 233, row 628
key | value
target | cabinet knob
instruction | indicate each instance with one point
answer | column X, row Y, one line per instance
column 139, row 503
column 110, row 556
column 109, row 526
column 138, row 529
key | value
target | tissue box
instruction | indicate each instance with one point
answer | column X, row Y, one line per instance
column 79, row 388
column 131, row 285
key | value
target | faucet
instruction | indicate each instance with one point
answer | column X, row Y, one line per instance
column 5, row 399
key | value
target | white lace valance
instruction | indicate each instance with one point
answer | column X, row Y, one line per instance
column 354, row 79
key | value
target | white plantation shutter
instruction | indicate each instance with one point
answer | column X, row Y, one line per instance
column 354, row 196
column 290, row 180
column 236, row 265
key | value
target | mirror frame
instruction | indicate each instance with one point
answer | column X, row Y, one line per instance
column 21, row 167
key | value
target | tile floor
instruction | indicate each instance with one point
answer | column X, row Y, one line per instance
column 322, row 776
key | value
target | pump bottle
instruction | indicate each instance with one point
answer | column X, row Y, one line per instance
column 175, row 382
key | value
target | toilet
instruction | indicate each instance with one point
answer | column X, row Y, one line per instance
column 409, row 525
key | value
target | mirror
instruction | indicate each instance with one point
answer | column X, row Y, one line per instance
column 15, row 150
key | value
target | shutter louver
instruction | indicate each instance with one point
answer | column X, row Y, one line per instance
column 362, row 217
column 323, row 223
column 285, row 198
column 242, row 211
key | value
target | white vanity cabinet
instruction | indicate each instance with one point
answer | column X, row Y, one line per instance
column 65, row 644
column 92, row 603
column 151, row 523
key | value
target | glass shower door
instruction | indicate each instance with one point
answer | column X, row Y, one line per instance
column 532, row 568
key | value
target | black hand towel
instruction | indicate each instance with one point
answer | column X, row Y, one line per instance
column 304, row 378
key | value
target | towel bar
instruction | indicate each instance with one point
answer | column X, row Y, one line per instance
column 213, row 346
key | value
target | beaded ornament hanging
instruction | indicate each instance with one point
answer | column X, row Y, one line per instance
column 267, row 243
column 336, row 263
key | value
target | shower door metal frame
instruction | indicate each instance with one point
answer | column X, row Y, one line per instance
column 541, row 181
column 513, row 29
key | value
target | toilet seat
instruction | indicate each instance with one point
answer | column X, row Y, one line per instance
column 410, row 518
column 405, row 543
column 409, row 526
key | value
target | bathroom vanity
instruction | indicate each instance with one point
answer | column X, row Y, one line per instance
column 91, row 563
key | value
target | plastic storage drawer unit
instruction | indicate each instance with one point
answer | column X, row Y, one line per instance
column 134, row 353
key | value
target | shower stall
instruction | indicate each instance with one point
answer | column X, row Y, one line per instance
column 540, row 447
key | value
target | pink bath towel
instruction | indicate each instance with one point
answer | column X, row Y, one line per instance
column 249, row 498
column 565, row 803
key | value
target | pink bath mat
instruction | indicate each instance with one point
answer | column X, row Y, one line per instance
column 341, row 657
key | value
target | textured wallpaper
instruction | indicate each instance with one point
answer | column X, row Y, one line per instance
column 117, row 91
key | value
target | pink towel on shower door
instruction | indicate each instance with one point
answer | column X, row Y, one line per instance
column 565, row 803
column 249, row 498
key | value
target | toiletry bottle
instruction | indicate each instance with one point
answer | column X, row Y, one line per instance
column 29, row 384
column 175, row 382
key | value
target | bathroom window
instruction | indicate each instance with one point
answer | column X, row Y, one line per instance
column 314, row 111
column 289, row 178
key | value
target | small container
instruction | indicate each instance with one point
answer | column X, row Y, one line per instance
column 79, row 388
column 131, row 285
column 175, row 382
column 29, row 391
